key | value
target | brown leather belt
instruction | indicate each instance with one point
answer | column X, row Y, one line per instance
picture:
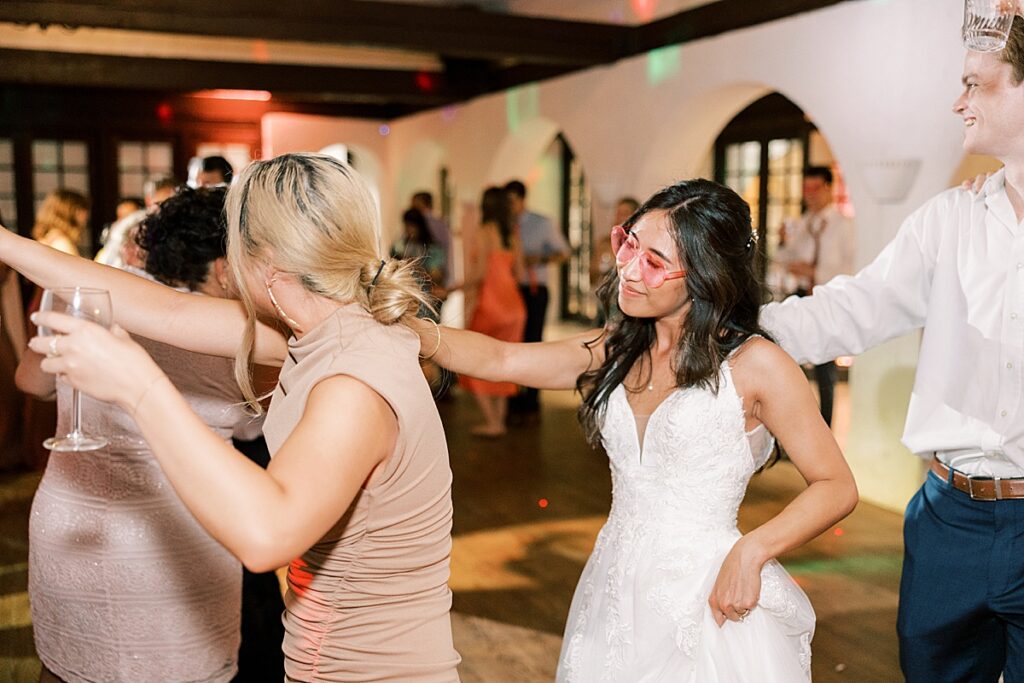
column 980, row 488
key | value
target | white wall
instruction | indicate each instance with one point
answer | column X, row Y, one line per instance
column 878, row 78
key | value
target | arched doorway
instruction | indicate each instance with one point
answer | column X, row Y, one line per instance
column 762, row 154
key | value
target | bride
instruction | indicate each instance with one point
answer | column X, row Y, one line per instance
column 685, row 392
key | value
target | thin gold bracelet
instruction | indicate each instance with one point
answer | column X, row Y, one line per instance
column 437, row 346
column 145, row 391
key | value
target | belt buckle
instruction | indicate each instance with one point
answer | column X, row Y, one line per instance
column 997, row 493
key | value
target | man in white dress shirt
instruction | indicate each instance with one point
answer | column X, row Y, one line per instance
column 955, row 269
column 819, row 245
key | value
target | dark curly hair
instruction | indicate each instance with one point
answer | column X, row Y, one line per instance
column 184, row 236
column 710, row 225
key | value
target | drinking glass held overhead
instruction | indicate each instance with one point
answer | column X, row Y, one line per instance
column 87, row 304
column 987, row 23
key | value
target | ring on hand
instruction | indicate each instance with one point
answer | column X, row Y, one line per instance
column 742, row 613
column 54, row 351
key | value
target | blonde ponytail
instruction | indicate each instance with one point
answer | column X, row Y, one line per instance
column 316, row 218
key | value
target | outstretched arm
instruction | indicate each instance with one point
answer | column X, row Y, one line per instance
column 544, row 365
column 196, row 323
column 886, row 299
column 265, row 517
column 782, row 400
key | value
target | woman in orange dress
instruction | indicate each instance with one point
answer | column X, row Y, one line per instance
column 499, row 312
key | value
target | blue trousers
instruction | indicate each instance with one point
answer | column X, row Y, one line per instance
column 961, row 613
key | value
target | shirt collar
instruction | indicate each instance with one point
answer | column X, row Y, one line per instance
column 996, row 201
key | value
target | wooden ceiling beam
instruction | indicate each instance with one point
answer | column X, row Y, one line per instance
column 459, row 32
column 365, row 86
column 715, row 19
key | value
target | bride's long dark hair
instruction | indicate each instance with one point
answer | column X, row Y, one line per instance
column 711, row 227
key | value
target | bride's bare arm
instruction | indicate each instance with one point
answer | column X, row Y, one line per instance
column 544, row 365
column 196, row 323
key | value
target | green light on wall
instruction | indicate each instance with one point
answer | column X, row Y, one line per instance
column 521, row 105
column 663, row 63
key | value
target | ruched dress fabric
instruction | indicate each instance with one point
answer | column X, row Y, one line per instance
column 125, row 585
column 640, row 613
column 370, row 600
column 500, row 313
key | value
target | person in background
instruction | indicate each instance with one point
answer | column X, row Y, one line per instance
column 158, row 189
column 61, row 220
column 128, row 206
column 417, row 244
column 214, row 170
column 495, row 263
column 440, row 232
column 818, row 246
column 541, row 245
column 602, row 260
column 124, row 583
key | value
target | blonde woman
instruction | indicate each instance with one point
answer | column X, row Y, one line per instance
column 61, row 220
column 358, row 495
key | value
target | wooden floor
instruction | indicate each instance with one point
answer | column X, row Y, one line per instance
column 527, row 509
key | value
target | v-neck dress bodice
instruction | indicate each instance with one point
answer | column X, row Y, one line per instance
column 640, row 612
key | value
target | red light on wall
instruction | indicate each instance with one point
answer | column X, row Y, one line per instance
column 643, row 9
column 426, row 81
column 542, row 503
column 839, row 532
column 164, row 112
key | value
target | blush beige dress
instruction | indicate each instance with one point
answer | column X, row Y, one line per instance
column 370, row 600
column 125, row 585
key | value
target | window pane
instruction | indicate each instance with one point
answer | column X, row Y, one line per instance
column 131, row 184
column 77, row 181
column 6, row 153
column 159, row 157
column 75, row 155
column 45, row 182
column 129, row 155
column 44, row 154
column 6, row 183
column 8, row 212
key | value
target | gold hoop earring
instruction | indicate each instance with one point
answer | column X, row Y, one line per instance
column 288, row 320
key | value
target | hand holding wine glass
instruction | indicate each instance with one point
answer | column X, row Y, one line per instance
column 85, row 304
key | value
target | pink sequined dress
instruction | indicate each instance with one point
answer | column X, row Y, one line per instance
column 124, row 584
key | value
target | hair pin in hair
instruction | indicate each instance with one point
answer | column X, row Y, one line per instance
column 373, row 282
column 752, row 241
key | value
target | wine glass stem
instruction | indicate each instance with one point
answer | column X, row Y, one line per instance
column 76, row 412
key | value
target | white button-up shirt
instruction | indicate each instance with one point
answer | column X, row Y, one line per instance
column 955, row 268
column 836, row 244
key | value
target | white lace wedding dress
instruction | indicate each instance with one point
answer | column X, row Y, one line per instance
column 640, row 612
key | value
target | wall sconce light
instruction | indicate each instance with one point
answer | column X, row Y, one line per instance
column 889, row 181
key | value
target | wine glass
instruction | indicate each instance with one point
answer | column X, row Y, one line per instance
column 88, row 304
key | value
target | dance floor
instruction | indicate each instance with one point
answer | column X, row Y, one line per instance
column 527, row 509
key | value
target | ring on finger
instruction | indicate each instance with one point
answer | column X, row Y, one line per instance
column 54, row 351
column 742, row 613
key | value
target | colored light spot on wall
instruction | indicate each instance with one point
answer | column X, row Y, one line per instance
column 164, row 112
column 838, row 531
column 260, row 51
column 643, row 9
column 384, row 130
column 542, row 503
column 663, row 63
column 521, row 105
